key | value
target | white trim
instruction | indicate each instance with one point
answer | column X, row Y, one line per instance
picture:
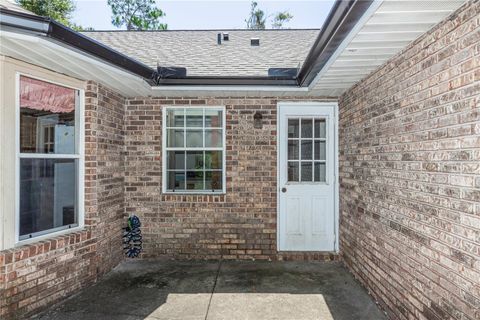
column 223, row 148
column 79, row 155
column 351, row 35
column 281, row 104
column 232, row 88
column 336, row 173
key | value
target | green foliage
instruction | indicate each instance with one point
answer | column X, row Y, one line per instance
column 281, row 18
column 58, row 10
column 136, row 14
column 257, row 17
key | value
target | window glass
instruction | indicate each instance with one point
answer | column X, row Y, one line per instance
column 198, row 165
column 213, row 118
column 194, row 138
column 47, row 194
column 49, row 184
column 213, row 138
column 307, row 150
column 176, row 118
column 194, row 117
column 47, row 117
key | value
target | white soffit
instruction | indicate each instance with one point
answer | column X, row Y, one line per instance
column 389, row 29
column 50, row 55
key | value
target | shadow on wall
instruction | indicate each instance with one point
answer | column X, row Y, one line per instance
column 161, row 289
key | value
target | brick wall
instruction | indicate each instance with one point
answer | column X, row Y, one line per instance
column 242, row 223
column 410, row 175
column 34, row 276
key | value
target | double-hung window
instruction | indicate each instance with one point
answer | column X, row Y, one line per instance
column 194, row 150
column 49, row 158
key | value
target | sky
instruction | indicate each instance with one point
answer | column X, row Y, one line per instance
column 216, row 14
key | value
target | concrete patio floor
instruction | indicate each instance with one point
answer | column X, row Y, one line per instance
column 191, row 290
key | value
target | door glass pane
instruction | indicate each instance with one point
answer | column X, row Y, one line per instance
column 320, row 150
column 307, row 171
column 213, row 180
column 293, row 151
column 175, row 160
column 307, row 152
column 175, row 138
column 293, row 125
column 213, row 138
column 48, row 195
column 194, row 138
column 176, row 180
column 176, row 118
column 194, row 160
column 320, row 172
column 194, row 180
column 307, row 129
column 213, row 118
column 47, row 117
column 293, row 171
column 194, row 118
column 320, row 128
column 213, row 159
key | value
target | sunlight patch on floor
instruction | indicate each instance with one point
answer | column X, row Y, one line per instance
column 243, row 306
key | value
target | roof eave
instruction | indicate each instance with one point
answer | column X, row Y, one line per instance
column 341, row 20
column 47, row 27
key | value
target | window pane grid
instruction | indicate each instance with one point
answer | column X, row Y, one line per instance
column 196, row 175
column 307, row 141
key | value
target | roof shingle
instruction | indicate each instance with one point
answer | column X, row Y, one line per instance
column 198, row 51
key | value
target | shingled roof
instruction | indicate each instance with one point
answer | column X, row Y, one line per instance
column 199, row 52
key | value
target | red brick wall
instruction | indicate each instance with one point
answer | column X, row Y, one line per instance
column 34, row 276
column 410, row 175
column 242, row 223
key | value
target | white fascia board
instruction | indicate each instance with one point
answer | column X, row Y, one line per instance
column 358, row 26
column 231, row 88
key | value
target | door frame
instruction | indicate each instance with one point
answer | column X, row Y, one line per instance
column 334, row 105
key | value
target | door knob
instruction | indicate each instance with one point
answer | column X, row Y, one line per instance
column 284, row 189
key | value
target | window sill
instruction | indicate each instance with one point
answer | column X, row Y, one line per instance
column 49, row 236
column 196, row 193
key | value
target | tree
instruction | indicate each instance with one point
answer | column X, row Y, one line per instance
column 136, row 14
column 257, row 17
column 281, row 18
column 59, row 10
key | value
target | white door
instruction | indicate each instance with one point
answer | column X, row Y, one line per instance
column 307, row 180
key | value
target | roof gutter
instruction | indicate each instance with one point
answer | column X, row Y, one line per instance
column 228, row 81
column 50, row 28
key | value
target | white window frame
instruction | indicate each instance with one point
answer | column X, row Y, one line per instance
column 79, row 156
column 165, row 148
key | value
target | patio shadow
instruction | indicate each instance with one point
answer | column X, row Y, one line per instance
column 166, row 289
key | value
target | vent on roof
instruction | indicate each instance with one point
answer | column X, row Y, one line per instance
column 255, row 42
column 226, row 36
